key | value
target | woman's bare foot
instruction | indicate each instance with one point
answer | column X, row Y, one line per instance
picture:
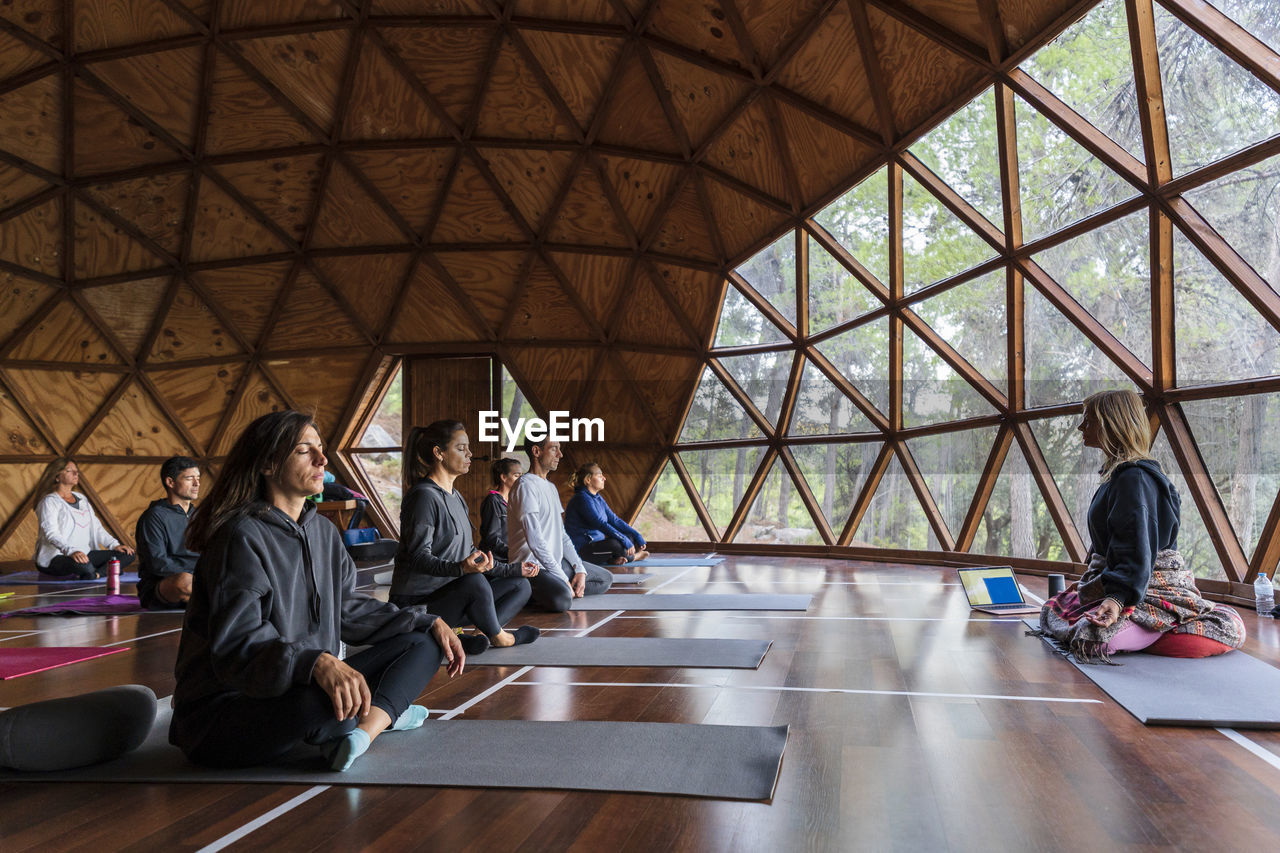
column 503, row 639
column 640, row 555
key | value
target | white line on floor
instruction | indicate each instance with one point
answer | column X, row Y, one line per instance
column 20, row 636
column 236, row 834
column 143, row 637
column 449, row 715
column 1254, row 747
column 672, row 580
column 772, row 689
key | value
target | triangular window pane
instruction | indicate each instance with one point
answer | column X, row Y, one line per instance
column 1062, row 365
column 668, row 514
column 764, row 379
column 1016, row 522
column 1220, row 336
column 951, row 464
column 385, row 473
column 1108, row 271
column 1074, row 466
column 894, row 518
column 859, row 219
column 862, row 356
column 1194, row 542
column 823, row 409
column 836, row 474
column 963, row 152
column 1237, row 442
column 386, row 427
column 1256, row 16
column 1090, row 68
column 835, row 295
column 1060, row 181
column 772, row 273
column 935, row 243
column 742, row 324
column 1242, row 208
column 778, row 515
column 972, row 318
column 1213, row 106
column 721, row 477
column 931, row 390
column 715, row 414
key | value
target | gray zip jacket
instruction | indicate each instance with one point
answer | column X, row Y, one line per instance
column 269, row 596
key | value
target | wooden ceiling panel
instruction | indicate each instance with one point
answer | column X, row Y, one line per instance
column 284, row 188
column 63, row 400
column 489, row 279
column 34, row 239
column 578, row 66
column 598, row 280
column 959, row 16
column 647, row 319
column 111, row 23
column 447, row 60
column 613, row 399
column 311, row 319
column 595, row 11
column 772, row 24
column 1024, row 20
column 429, row 7
column 135, row 426
column 19, row 436
column 21, row 544
column 259, row 398
column 828, row 70
column 430, row 311
column 411, row 180
column 66, row 334
column 18, row 184
column 31, row 122
column 225, row 229
column 684, row 231
column 515, row 104
column 696, row 291
column 472, row 213
column 17, row 56
column 124, row 491
column 199, row 394
column 244, row 117
column 320, row 384
column 666, row 383
column 129, row 308
column 349, row 216
column 102, row 248
column 40, row 18
column 191, row 330
column 19, row 299
column 555, row 376
column 306, row 67
column 384, row 105
column 545, row 311
column 108, row 139
column 246, row 294
column 238, row 14
column 531, row 178
column 823, row 156
column 642, row 186
column 634, row 117
column 702, row 26
column 367, row 282
column 700, row 97
column 154, row 203
column 747, row 151
column 586, row 217
column 158, row 85
column 740, row 218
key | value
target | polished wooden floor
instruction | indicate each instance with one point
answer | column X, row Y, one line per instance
column 914, row 726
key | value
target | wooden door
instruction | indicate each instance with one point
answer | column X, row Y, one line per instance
column 461, row 388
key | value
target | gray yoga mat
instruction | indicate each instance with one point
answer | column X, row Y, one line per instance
column 1235, row 690
column 636, row 578
column 693, row 601
column 384, row 578
column 677, row 561
column 628, row 651
column 724, row 762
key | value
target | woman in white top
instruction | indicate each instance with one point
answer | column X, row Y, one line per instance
column 71, row 541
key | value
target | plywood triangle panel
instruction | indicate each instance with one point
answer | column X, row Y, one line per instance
column 123, row 491
column 17, row 184
column 20, row 297
column 684, row 230
column 198, row 394
column 741, row 218
column 191, row 330
column 17, row 482
column 17, row 56
column 633, row 116
column 64, row 400
column 259, row 398
column 305, row 67
column 108, row 23
column 447, row 60
column 283, row 188
column 823, row 156
column 703, row 26
column 158, row 85
column 384, row 105
column 135, row 426
column 20, row 437
column 103, row 248
column 128, row 308
column 311, row 319
column 555, row 376
column 701, row 97
column 598, row 279
column 410, row 179
column 516, row 106
column 747, row 151
column 579, row 66
column 368, row 282
column 473, row 213
column 545, row 311
column 439, row 7
column 237, row 14
column 323, row 384
column 613, row 399
column 430, row 311
column 697, row 292
column 349, row 216
column 246, row 294
column 531, row 178
column 594, row 11
column 21, row 544
column 642, row 186
column 666, row 381
column 489, row 280
column 108, row 139
column 829, row 71
column 226, row 229
column 647, row 319
column 586, row 216
column 31, row 122
column 65, row 334
column 773, row 24
column 154, row 204
column 243, row 116
column 958, row 16
column 34, row 239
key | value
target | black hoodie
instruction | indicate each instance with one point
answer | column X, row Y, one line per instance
column 161, row 534
column 270, row 595
column 1133, row 516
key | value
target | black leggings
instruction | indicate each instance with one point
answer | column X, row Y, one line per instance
column 474, row 599
column 64, row 566
column 551, row 593
column 604, row 551
column 245, row 731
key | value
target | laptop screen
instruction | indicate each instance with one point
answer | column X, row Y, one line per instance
column 991, row 585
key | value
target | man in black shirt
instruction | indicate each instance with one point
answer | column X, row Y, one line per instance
column 164, row 562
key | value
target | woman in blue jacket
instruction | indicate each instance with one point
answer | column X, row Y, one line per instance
column 597, row 533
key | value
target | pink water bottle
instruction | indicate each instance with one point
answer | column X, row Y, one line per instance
column 113, row 577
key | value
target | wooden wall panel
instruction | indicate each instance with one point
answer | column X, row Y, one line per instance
column 244, row 117
column 63, row 400
column 198, row 394
column 647, row 319
column 247, row 293
column 696, row 291
column 107, row 138
column 771, row 24
column 159, row 85
column 700, row 97
column 17, row 56
column 135, row 426
column 489, row 279
column 21, row 544
column 225, row 229
column 103, row 248
column 634, row 117
column 642, row 186
column 747, row 151
column 515, row 104
column 322, row 384
column 283, row 188
column 20, row 437
column 667, row 383
column 741, row 219
column 111, row 23
column 578, row 66
column 598, row 279
column 384, row 105
column 823, row 156
column 311, row 319
column 65, row 334
column 447, row 60
column 554, row 376
column 233, row 14
column 350, row 216
column 920, row 74
column 128, row 308
column 123, row 491
column 614, row 399
column 306, row 67
column 410, row 180
column 31, row 122
column 20, row 297
column 702, row 26
column 684, row 231
column 34, row 239
column 473, row 213
column 369, row 283
column 530, row 178
column 828, row 70
column 586, row 217
column 16, row 184
column 154, row 204
column 431, row 312
column 259, row 398
column 544, row 310
column 191, row 330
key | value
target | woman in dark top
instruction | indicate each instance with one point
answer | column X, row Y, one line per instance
column 437, row 565
column 493, row 512
column 273, row 596
column 597, row 533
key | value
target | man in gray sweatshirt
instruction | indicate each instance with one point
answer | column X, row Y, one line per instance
column 535, row 531
column 165, row 563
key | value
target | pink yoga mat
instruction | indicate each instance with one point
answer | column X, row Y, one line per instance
column 19, row 662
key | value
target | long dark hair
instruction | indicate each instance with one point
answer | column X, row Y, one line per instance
column 258, row 453
column 419, row 460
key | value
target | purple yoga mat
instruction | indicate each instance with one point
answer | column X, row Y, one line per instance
column 18, row 662
column 92, row 605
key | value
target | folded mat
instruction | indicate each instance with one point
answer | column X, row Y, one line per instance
column 30, row 577
column 693, row 601
column 628, row 651
column 90, row 606
column 15, row 662
column 677, row 561
column 725, row 762
column 1234, row 690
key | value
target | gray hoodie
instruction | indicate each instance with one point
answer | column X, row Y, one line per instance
column 269, row 596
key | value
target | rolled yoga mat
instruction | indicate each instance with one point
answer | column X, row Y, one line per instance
column 628, row 651
column 724, row 762
column 677, row 561
column 15, row 663
column 25, row 578
column 693, row 601
column 1234, row 690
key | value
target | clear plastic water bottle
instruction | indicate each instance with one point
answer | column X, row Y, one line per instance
column 113, row 577
column 1263, row 595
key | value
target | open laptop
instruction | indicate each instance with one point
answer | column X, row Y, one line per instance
column 994, row 589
